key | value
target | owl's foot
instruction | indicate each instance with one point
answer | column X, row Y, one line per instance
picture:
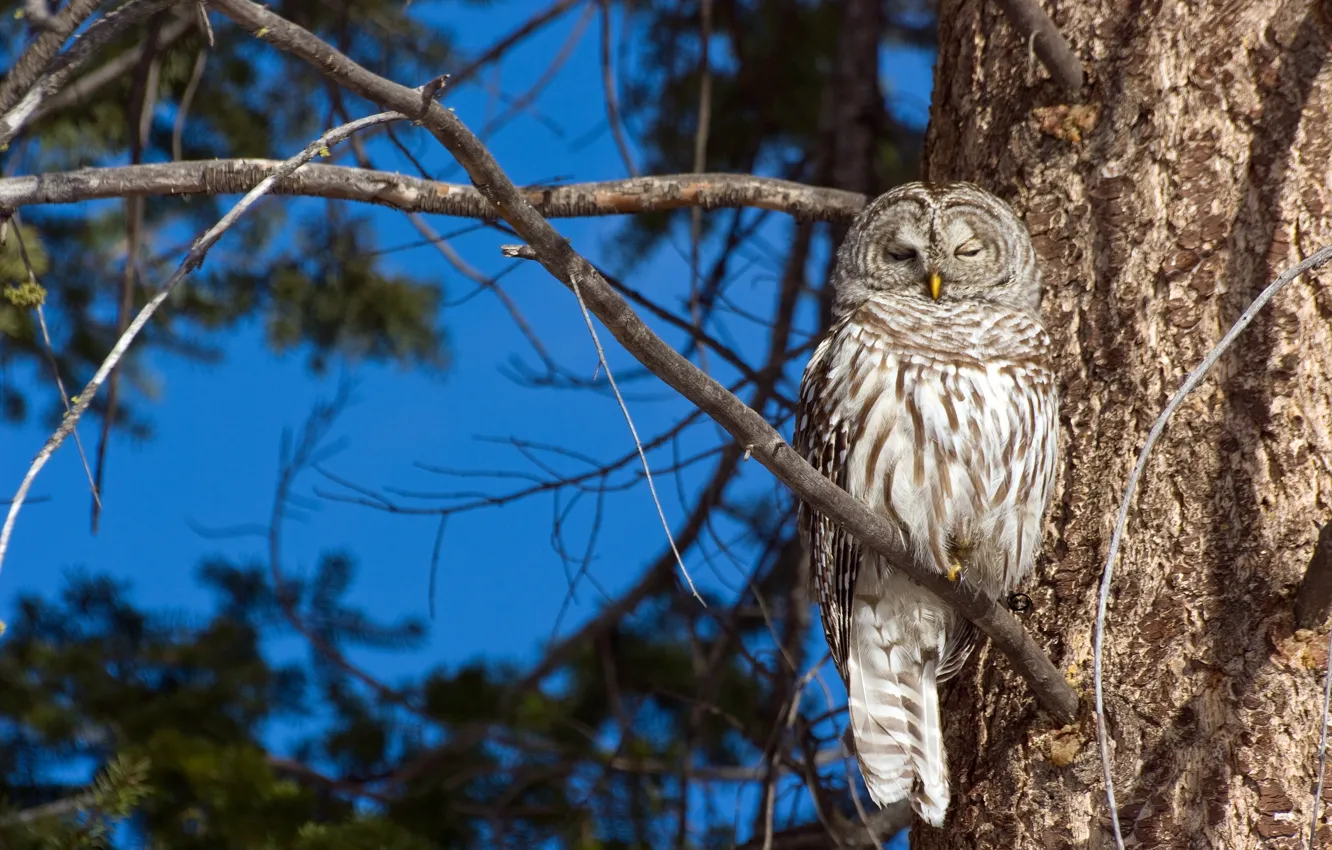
column 954, row 571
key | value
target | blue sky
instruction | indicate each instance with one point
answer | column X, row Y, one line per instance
column 214, row 456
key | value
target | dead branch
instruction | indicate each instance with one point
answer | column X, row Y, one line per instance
column 501, row 47
column 26, row 87
column 113, row 70
column 192, row 261
column 416, row 195
column 747, row 426
column 32, row 64
column 610, row 90
column 657, row 576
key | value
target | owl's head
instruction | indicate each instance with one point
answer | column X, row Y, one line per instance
column 936, row 243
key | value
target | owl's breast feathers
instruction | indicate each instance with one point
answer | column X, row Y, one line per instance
column 944, row 423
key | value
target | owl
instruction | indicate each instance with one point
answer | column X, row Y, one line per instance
column 932, row 400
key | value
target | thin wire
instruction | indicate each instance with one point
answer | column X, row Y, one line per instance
column 647, row 471
column 1195, row 377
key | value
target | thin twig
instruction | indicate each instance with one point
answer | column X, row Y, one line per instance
column 556, row 655
column 584, row 563
column 523, row 102
column 50, row 349
column 36, row 58
column 434, row 560
column 642, row 456
column 113, row 71
column 608, row 83
column 205, row 26
column 304, row 453
column 748, row 427
column 186, row 99
column 501, row 47
column 138, row 121
column 703, row 121
column 21, row 96
column 192, row 261
column 1194, row 378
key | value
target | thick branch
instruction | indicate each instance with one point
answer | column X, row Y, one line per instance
column 1035, row 26
column 1314, row 600
column 412, row 194
column 747, row 426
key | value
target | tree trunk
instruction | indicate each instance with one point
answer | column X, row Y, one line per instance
column 1198, row 169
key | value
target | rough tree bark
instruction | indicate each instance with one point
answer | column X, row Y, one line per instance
column 1196, row 171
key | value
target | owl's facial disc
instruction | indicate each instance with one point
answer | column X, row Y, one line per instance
column 951, row 255
column 940, row 244
column 969, row 255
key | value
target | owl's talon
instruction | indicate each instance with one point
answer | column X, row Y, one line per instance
column 954, row 572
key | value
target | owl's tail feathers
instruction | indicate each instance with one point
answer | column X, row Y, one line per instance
column 894, row 713
column 920, row 698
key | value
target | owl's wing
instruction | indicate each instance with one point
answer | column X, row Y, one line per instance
column 823, row 440
column 961, row 640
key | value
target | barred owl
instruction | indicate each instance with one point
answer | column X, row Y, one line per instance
column 933, row 402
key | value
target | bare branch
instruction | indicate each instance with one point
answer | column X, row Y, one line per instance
column 1194, row 378
column 138, row 120
column 187, row 100
column 703, row 124
column 638, row 444
column 34, row 61
column 48, row 346
column 22, row 94
column 497, row 50
column 192, row 261
column 747, row 426
column 840, row 831
column 413, row 194
column 611, row 91
column 654, row 579
column 113, row 70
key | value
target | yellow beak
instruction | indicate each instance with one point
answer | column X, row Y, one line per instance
column 936, row 283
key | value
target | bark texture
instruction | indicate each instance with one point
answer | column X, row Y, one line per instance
column 1197, row 168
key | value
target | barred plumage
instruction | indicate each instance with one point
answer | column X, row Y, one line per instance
column 932, row 400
